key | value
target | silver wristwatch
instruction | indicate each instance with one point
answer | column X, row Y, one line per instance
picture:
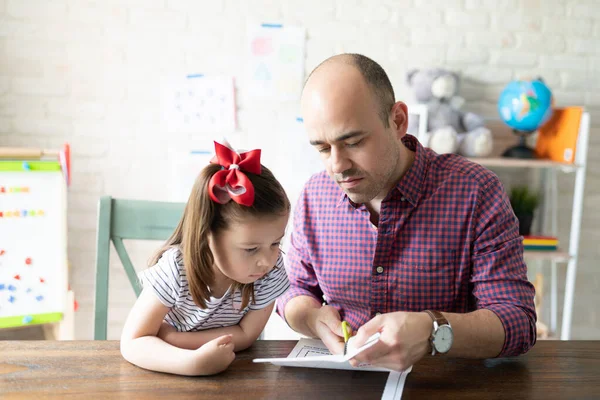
column 442, row 336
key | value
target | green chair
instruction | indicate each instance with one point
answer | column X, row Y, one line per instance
column 120, row 219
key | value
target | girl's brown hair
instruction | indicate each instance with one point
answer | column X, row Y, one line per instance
column 202, row 217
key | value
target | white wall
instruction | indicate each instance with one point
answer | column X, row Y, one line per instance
column 87, row 72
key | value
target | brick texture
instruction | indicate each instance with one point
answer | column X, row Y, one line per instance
column 90, row 72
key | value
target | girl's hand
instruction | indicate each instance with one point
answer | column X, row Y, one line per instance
column 165, row 331
column 214, row 356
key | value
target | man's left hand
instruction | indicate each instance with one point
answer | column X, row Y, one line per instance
column 403, row 342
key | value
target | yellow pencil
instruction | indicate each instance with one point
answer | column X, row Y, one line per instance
column 346, row 330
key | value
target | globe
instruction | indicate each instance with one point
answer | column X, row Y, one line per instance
column 525, row 106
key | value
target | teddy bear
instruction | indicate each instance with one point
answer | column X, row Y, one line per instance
column 449, row 130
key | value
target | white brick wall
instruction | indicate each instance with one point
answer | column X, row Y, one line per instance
column 37, row 9
column 89, row 72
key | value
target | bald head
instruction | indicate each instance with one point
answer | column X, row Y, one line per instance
column 352, row 75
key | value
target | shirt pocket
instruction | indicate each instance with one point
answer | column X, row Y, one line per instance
column 430, row 277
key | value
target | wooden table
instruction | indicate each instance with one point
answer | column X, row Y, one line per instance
column 95, row 369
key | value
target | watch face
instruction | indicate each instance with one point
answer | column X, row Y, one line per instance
column 443, row 339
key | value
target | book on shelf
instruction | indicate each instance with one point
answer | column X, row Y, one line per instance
column 539, row 248
column 540, row 243
column 557, row 138
column 529, row 239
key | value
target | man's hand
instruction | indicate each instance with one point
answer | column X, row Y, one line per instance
column 325, row 323
column 404, row 340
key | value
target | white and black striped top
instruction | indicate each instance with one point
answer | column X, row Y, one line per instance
column 169, row 282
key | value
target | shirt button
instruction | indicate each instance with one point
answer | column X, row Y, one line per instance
column 402, row 198
column 377, row 314
column 380, row 269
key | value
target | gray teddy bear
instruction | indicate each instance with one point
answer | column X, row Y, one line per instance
column 449, row 130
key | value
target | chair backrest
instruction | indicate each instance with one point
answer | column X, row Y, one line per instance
column 120, row 219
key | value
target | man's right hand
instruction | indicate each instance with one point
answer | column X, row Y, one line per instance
column 325, row 323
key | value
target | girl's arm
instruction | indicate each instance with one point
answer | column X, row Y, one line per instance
column 141, row 346
column 244, row 334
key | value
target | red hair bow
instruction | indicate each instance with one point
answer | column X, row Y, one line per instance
column 230, row 183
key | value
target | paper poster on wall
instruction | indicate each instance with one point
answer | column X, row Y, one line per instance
column 293, row 161
column 298, row 160
column 185, row 170
column 275, row 61
column 200, row 103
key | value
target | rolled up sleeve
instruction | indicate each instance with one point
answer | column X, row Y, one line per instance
column 499, row 274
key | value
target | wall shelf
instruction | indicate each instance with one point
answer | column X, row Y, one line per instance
column 556, row 256
column 499, row 162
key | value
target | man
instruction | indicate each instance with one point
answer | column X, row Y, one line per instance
column 423, row 248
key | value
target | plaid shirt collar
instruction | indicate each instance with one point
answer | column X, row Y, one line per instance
column 411, row 183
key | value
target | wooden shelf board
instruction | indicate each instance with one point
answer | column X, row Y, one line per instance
column 550, row 337
column 505, row 162
column 557, row 255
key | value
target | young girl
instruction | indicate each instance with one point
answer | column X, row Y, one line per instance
column 212, row 286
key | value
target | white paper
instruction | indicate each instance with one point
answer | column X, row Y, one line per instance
column 312, row 353
column 200, row 104
column 275, row 61
column 395, row 385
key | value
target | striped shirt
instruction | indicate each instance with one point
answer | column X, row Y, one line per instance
column 169, row 282
column 447, row 240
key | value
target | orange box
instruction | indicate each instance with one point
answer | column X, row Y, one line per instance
column 557, row 138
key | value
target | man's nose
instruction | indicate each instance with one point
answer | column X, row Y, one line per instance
column 338, row 161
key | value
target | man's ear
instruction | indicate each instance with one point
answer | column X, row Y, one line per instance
column 400, row 117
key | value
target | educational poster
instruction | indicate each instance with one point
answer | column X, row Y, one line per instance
column 298, row 160
column 275, row 61
column 200, row 104
column 290, row 157
column 33, row 243
column 185, row 170
column 186, row 164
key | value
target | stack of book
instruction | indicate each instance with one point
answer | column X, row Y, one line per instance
column 540, row 243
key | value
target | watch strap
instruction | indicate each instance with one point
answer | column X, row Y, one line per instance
column 437, row 317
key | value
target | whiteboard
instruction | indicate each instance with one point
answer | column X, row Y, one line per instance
column 33, row 243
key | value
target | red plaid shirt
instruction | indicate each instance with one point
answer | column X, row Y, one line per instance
column 447, row 240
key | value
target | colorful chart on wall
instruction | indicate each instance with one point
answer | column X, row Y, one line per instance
column 200, row 104
column 275, row 61
column 33, row 243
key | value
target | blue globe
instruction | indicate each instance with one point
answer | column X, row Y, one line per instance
column 525, row 105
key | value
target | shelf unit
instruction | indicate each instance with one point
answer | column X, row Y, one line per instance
column 549, row 171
